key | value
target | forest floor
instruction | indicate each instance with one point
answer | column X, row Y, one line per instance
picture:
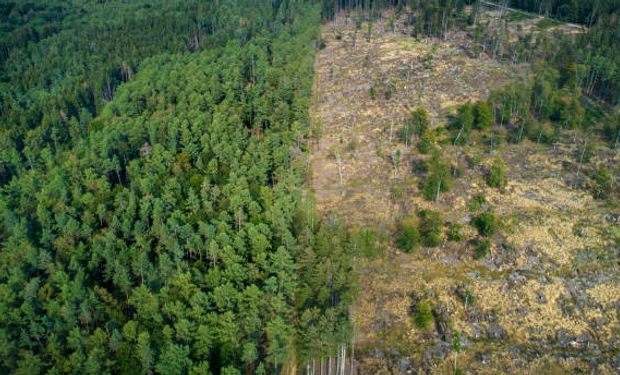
column 546, row 300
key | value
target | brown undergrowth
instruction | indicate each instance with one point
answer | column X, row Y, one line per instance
column 545, row 300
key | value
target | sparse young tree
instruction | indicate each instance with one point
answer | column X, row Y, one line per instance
column 486, row 223
column 603, row 183
column 483, row 115
column 496, row 176
column 463, row 122
column 423, row 315
column 407, row 237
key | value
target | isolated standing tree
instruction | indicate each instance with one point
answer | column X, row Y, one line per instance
column 464, row 121
column 497, row 174
column 417, row 125
column 423, row 315
column 603, row 182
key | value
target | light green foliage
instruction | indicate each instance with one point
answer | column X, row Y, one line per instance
column 439, row 179
column 476, row 202
column 483, row 116
column 425, row 145
column 423, row 315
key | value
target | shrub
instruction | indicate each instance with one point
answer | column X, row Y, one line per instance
column 497, row 175
column 486, row 223
column 482, row 249
column 483, row 116
column 407, row 238
column 423, row 315
column 602, row 184
column 465, row 117
column 352, row 145
column 477, row 201
column 430, row 227
column 455, row 232
column 464, row 293
column 419, row 121
column 426, row 142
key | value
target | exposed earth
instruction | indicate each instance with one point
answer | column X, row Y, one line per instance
column 546, row 299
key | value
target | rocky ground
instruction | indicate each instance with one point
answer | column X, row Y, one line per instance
column 547, row 298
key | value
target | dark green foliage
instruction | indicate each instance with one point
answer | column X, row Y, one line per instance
column 326, row 287
column 483, row 116
column 423, row 315
column 407, row 237
column 61, row 76
column 431, row 227
column 486, row 224
column 496, row 176
column 482, row 249
column 150, row 190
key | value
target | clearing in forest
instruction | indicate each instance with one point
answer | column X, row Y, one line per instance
column 542, row 301
column 364, row 92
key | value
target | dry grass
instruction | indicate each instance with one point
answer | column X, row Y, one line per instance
column 528, row 294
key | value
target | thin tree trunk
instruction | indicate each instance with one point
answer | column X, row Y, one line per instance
column 339, row 168
column 583, row 152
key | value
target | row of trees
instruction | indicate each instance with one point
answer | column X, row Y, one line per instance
column 591, row 59
column 584, row 12
column 592, row 56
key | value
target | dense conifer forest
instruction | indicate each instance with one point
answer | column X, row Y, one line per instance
column 154, row 166
column 152, row 160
